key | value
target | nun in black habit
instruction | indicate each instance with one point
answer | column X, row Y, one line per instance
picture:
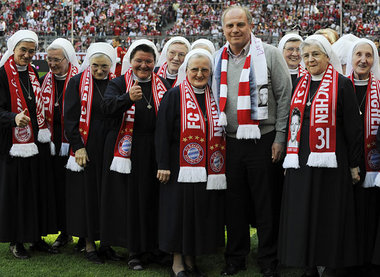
column 130, row 190
column 25, row 181
column 191, row 167
column 86, row 129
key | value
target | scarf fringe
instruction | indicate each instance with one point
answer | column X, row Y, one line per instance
column 73, row 166
column 64, row 149
column 222, row 119
column 52, row 148
column 370, row 180
column 216, row 182
column 291, row 161
column 44, row 135
column 23, row 150
column 189, row 174
column 324, row 159
column 121, row 165
column 377, row 181
column 248, row 132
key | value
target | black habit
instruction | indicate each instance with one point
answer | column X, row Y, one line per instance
column 318, row 226
column 129, row 205
column 191, row 218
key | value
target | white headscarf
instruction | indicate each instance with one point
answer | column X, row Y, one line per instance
column 285, row 39
column 206, row 42
column 22, row 35
column 342, row 46
column 68, row 50
column 182, row 69
column 99, row 48
column 163, row 58
column 375, row 69
column 127, row 58
column 322, row 42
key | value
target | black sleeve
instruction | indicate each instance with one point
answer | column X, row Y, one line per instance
column 116, row 101
column 378, row 140
column 352, row 124
column 7, row 118
column 72, row 110
column 166, row 118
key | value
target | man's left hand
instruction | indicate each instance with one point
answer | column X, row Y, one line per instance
column 277, row 149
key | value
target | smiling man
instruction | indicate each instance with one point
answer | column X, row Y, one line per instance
column 255, row 140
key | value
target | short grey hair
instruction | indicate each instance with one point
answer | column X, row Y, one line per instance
column 244, row 9
column 313, row 42
column 199, row 55
column 57, row 47
column 99, row 55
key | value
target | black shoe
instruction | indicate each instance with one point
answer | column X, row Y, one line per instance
column 93, row 257
column 81, row 245
column 270, row 272
column 42, row 246
column 62, row 240
column 182, row 273
column 18, row 251
column 194, row 271
column 231, row 269
column 109, row 254
column 135, row 263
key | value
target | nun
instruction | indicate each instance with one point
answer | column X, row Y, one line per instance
column 86, row 128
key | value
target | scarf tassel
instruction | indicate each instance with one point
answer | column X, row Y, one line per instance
column 189, row 174
column 371, row 179
column 73, row 166
column 24, row 150
column 325, row 159
column 64, row 149
column 291, row 161
column 248, row 132
column 377, row 181
column 121, row 165
column 52, row 148
column 216, row 182
column 44, row 135
column 222, row 119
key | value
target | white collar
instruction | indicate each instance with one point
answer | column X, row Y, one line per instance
column 171, row 76
column 60, row 77
column 141, row 80
column 21, row 67
column 317, row 77
column 199, row 90
column 293, row 71
column 361, row 83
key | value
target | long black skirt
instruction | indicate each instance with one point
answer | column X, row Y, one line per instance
column 83, row 189
column 191, row 217
column 129, row 210
column 24, row 214
column 59, row 171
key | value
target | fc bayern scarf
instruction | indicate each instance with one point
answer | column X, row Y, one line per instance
column 23, row 138
column 322, row 139
column 48, row 91
column 162, row 72
column 86, row 87
column 122, row 152
column 301, row 71
column 253, row 76
column 371, row 123
column 200, row 147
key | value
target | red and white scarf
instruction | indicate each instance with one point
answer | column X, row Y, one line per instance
column 48, row 91
column 162, row 72
column 301, row 71
column 322, row 139
column 86, row 87
column 246, row 106
column 23, row 138
column 371, row 123
column 122, row 152
column 194, row 141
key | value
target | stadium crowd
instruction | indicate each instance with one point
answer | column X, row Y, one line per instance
column 98, row 19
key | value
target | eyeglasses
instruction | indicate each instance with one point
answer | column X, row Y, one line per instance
column 292, row 49
column 54, row 60
column 314, row 55
column 202, row 70
column 172, row 54
column 23, row 50
column 101, row 66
